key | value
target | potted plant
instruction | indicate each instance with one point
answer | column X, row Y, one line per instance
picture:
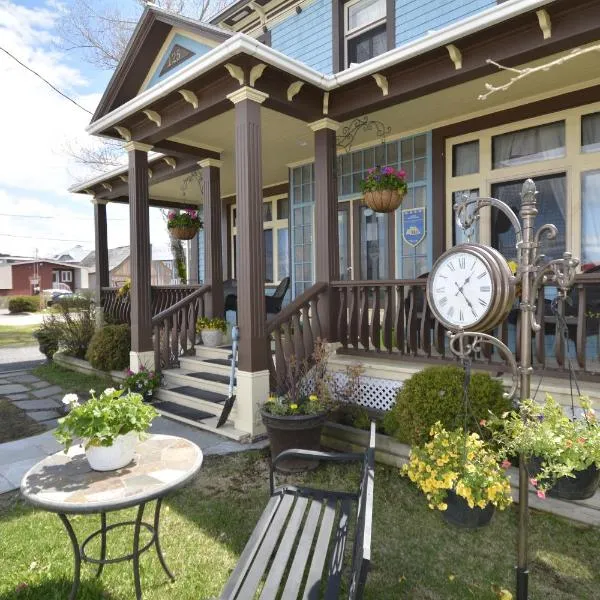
column 143, row 382
column 183, row 225
column 294, row 416
column 384, row 189
column 211, row 330
column 460, row 475
column 562, row 453
column 109, row 426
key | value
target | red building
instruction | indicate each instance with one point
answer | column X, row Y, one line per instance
column 28, row 277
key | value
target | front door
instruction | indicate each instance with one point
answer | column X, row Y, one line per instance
column 55, row 279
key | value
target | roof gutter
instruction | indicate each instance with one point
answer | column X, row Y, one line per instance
column 248, row 45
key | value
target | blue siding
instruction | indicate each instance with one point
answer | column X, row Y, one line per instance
column 308, row 36
column 414, row 18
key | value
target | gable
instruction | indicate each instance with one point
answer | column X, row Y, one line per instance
column 178, row 51
column 148, row 46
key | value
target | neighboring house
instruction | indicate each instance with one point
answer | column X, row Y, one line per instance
column 282, row 106
column 75, row 254
column 25, row 278
column 119, row 267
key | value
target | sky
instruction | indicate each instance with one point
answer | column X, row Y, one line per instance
column 37, row 126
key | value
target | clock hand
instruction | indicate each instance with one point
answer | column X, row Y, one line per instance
column 460, row 288
column 466, row 299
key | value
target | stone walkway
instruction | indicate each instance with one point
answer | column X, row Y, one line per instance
column 42, row 402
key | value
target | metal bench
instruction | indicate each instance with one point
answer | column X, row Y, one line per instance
column 298, row 546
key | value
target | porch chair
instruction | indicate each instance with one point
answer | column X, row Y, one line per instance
column 274, row 302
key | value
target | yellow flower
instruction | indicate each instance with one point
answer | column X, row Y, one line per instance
column 313, row 398
column 271, row 398
column 293, row 406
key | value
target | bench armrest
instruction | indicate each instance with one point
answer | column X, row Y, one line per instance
column 317, row 455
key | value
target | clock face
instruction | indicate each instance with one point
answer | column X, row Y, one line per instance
column 461, row 289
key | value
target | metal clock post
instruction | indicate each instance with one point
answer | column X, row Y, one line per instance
column 532, row 273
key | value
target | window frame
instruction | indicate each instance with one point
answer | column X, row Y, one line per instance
column 574, row 162
column 64, row 278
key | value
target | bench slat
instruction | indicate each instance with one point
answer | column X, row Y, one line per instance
column 313, row 583
column 237, row 576
column 336, row 563
column 292, row 586
column 286, row 545
column 261, row 559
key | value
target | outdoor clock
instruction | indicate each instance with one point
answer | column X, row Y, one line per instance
column 470, row 287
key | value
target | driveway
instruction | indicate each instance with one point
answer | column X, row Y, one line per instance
column 20, row 319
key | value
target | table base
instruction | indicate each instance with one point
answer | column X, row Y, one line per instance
column 80, row 555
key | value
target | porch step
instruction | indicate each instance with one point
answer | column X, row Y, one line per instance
column 195, row 400
column 194, row 364
column 199, row 394
column 204, row 352
column 214, row 382
column 200, row 420
column 213, row 377
column 218, row 361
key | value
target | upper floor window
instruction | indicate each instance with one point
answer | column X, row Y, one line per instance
column 590, row 132
column 365, row 29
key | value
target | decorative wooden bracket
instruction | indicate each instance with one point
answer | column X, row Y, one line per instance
column 90, row 192
column 170, row 161
column 150, row 173
column 107, row 186
column 256, row 73
column 455, row 56
column 153, row 116
column 260, row 11
column 124, row 178
column 326, row 103
column 293, row 89
column 382, row 83
column 545, row 22
column 123, row 132
column 189, row 97
column 236, row 72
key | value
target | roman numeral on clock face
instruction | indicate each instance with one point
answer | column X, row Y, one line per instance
column 451, row 266
column 443, row 301
column 482, row 301
column 462, row 262
column 485, row 288
column 481, row 275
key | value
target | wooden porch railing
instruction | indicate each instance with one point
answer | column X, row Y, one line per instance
column 294, row 332
column 118, row 308
column 174, row 329
column 393, row 318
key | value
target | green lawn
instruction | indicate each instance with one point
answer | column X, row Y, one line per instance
column 72, row 381
column 415, row 555
column 17, row 335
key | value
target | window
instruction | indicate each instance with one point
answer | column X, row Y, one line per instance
column 283, row 208
column 373, row 244
column 590, row 132
column 465, row 158
column 460, row 236
column 302, row 202
column 365, row 30
column 55, row 276
column 551, row 209
column 268, row 236
column 344, row 240
column 66, row 276
column 283, row 253
column 267, row 212
column 529, row 145
column 590, row 219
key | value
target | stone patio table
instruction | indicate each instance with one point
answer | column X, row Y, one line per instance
column 65, row 484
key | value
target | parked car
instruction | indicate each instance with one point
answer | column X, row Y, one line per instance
column 53, row 295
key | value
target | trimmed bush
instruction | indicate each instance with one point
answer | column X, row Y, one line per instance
column 48, row 336
column 436, row 394
column 21, row 304
column 110, row 347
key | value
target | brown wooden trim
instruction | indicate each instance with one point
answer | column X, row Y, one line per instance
column 390, row 23
column 391, row 233
column 337, row 33
column 140, row 257
column 271, row 190
column 438, row 193
column 356, row 264
column 101, row 243
column 185, row 150
column 228, row 239
column 213, row 259
column 157, row 203
column 250, row 240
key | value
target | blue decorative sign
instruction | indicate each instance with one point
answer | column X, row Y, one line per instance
column 413, row 225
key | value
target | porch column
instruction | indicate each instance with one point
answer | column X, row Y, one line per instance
column 194, row 261
column 213, row 239
column 327, row 249
column 253, row 375
column 140, row 255
column 101, row 248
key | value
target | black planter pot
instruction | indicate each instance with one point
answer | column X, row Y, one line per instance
column 460, row 514
column 580, row 487
column 294, row 431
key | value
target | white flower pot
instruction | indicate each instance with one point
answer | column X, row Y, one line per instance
column 110, row 458
column 212, row 337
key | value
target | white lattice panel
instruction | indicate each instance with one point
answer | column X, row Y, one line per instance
column 373, row 392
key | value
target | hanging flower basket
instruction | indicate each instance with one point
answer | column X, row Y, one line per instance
column 383, row 201
column 384, row 189
column 184, row 225
column 184, row 233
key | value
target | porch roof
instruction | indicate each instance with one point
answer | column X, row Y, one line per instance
column 241, row 43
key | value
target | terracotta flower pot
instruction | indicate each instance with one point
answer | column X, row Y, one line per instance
column 384, row 201
column 184, row 233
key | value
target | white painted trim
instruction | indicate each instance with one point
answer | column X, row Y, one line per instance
column 210, row 162
column 247, row 93
column 324, row 123
column 130, row 146
column 243, row 43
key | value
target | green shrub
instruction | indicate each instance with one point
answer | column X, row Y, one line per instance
column 110, row 347
column 74, row 325
column 436, row 394
column 48, row 336
column 20, row 304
